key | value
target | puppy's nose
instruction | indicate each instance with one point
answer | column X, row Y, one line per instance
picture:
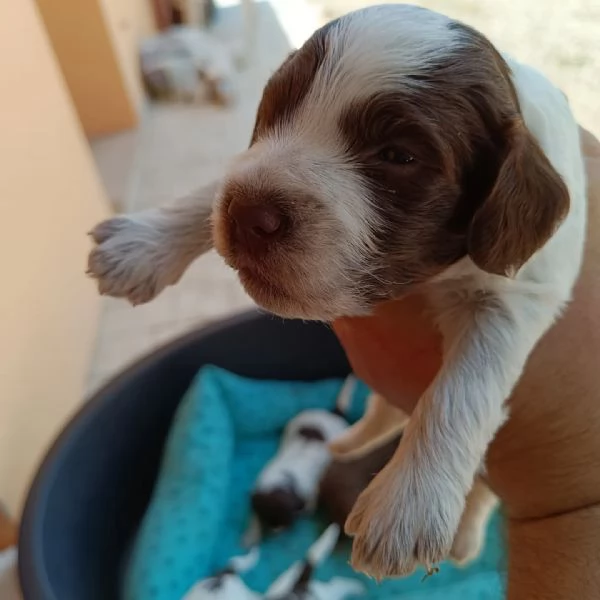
column 256, row 222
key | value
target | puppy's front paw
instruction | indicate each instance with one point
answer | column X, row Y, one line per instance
column 132, row 259
column 401, row 520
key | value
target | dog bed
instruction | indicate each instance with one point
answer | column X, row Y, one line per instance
column 225, row 429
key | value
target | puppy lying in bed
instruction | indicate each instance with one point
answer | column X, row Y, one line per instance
column 396, row 151
column 296, row 583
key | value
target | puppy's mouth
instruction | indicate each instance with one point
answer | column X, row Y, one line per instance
column 281, row 294
column 260, row 286
column 284, row 280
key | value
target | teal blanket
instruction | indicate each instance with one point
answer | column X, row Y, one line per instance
column 225, row 429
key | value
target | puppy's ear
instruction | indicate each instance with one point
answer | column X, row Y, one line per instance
column 525, row 206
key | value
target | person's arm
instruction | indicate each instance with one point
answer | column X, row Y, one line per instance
column 555, row 558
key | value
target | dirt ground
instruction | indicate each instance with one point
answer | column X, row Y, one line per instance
column 559, row 37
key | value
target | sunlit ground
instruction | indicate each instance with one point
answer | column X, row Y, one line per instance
column 559, row 37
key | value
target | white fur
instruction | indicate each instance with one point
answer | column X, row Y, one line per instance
column 304, row 460
column 337, row 588
column 231, row 586
column 137, row 256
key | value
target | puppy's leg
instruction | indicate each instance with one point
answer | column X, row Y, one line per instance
column 470, row 536
column 381, row 422
column 137, row 256
column 411, row 511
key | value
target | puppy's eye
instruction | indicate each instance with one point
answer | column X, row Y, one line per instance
column 395, row 156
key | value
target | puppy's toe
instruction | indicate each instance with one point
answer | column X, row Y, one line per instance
column 129, row 260
column 107, row 229
column 118, row 278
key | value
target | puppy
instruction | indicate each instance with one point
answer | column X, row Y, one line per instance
column 396, row 151
column 288, row 485
column 296, row 583
column 187, row 64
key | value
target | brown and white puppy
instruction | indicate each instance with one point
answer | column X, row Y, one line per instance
column 397, row 150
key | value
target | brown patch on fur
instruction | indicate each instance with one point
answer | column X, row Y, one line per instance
column 277, row 508
column 455, row 120
column 527, row 203
column 311, row 434
column 227, row 239
column 290, row 84
column 416, row 201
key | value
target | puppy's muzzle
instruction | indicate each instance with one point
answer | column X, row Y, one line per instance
column 254, row 228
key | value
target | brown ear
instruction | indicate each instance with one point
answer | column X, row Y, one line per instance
column 524, row 208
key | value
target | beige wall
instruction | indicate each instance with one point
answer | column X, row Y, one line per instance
column 96, row 45
column 129, row 21
column 49, row 197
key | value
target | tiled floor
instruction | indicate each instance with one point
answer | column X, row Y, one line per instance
column 176, row 149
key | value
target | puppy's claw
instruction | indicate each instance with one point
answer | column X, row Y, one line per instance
column 108, row 228
column 429, row 572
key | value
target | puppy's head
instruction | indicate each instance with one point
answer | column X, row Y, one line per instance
column 387, row 148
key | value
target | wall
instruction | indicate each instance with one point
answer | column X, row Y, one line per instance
column 49, row 197
column 128, row 22
column 96, row 45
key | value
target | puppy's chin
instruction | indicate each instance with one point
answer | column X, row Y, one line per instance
column 293, row 301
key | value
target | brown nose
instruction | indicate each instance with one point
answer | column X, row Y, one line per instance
column 256, row 224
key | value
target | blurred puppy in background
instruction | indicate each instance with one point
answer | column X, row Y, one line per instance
column 288, row 485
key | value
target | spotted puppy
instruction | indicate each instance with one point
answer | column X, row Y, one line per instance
column 296, row 583
column 227, row 584
column 289, row 484
column 397, row 151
